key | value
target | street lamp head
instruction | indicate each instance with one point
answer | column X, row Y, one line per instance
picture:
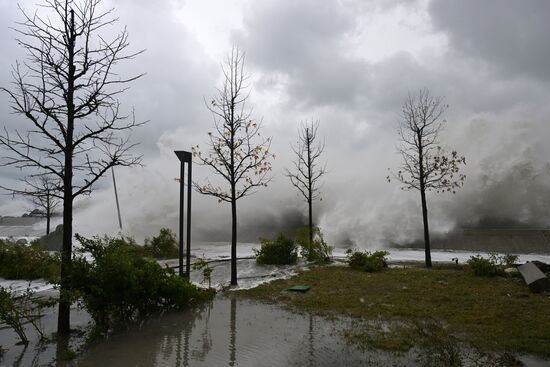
column 183, row 156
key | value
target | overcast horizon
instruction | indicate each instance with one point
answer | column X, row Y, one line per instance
column 350, row 65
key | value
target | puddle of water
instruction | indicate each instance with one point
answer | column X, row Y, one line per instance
column 37, row 353
column 227, row 331
column 230, row 332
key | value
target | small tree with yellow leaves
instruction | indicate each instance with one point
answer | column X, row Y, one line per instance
column 426, row 166
column 237, row 153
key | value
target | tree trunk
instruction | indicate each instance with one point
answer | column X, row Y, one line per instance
column 63, row 319
column 48, row 213
column 310, row 185
column 233, row 332
column 233, row 240
column 426, row 230
column 310, row 204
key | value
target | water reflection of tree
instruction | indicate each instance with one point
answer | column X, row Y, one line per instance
column 183, row 332
column 232, row 332
column 311, row 346
column 167, row 340
column 206, row 338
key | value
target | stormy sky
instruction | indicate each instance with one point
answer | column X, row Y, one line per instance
column 349, row 64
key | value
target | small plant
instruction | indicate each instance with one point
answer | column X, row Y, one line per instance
column 11, row 315
column 206, row 270
column 17, row 310
column 163, row 246
column 483, row 267
column 493, row 266
column 66, row 355
column 437, row 346
column 366, row 260
column 282, row 250
column 317, row 251
column 505, row 260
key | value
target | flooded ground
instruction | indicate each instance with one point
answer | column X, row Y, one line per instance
column 227, row 331
column 38, row 353
column 230, row 332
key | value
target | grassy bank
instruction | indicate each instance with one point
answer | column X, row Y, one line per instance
column 396, row 309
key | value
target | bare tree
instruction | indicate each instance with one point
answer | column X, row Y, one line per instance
column 67, row 92
column 44, row 191
column 425, row 165
column 307, row 170
column 237, row 153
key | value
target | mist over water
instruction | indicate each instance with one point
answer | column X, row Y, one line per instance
column 337, row 69
column 507, row 186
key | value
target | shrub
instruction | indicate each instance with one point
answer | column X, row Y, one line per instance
column 10, row 315
column 163, row 246
column 282, row 250
column 27, row 262
column 120, row 285
column 366, row 260
column 506, row 260
column 493, row 266
column 17, row 310
column 317, row 251
column 483, row 267
column 202, row 264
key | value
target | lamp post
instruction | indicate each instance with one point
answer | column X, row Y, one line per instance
column 185, row 157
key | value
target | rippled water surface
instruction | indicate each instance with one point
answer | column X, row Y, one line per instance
column 228, row 332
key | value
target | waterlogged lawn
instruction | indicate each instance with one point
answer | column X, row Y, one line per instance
column 398, row 309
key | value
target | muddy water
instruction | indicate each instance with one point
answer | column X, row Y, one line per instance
column 225, row 332
column 232, row 332
column 38, row 353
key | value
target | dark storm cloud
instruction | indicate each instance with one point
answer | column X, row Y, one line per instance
column 303, row 43
column 309, row 61
column 511, row 35
column 170, row 94
column 178, row 73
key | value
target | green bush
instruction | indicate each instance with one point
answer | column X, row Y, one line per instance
column 10, row 314
column 493, row 266
column 317, row 251
column 27, row 262
column 121, row 285
column 281, row 251
column 366, row 260
column 163, row 246
column 505, row 260
column 484, row 267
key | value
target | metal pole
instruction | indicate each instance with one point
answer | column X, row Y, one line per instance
column 188, row 254
column 116, row 199
column 182, row 177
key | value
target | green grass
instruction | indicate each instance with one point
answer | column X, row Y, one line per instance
column 490, row 314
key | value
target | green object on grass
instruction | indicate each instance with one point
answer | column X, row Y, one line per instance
column 299, row 288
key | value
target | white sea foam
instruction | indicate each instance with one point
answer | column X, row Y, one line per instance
column 251, row 275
